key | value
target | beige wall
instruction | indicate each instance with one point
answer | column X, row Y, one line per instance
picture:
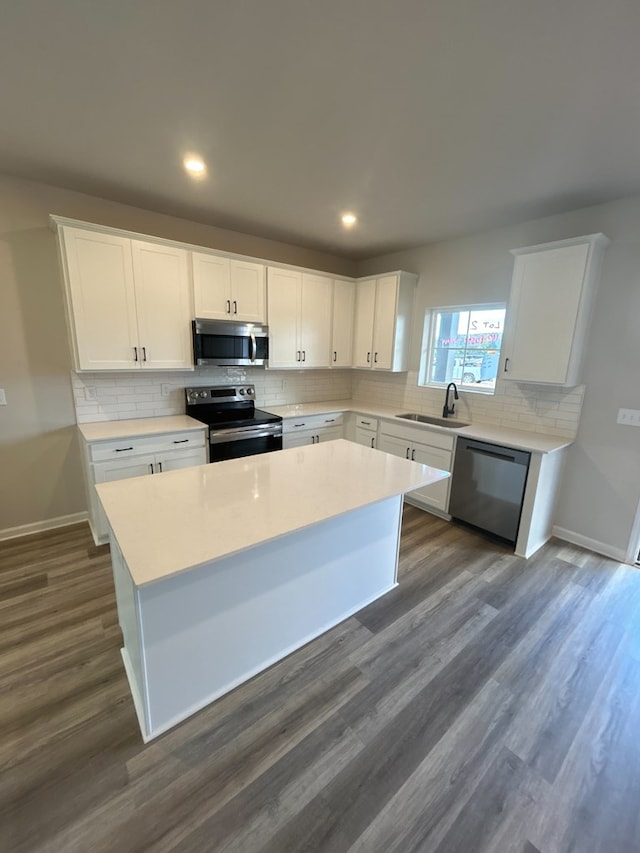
column 601, row 486
column 39, row 454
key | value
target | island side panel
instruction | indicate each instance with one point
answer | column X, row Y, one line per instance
column 127, row 600
column 209, row 629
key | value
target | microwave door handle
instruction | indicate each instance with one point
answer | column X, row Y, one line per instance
column 253, row 346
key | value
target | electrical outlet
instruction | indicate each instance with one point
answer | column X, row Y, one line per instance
column 165, row 389
column 90, row 392
column 629, row 417
column 3, row 397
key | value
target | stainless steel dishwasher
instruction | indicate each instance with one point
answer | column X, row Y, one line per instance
column 487, row 486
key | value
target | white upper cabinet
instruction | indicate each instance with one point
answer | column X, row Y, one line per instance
column 98, row 272
column 342, row 323
column 129, row 301
column 547, row 321
column 161, row 278
column 299, row 317
column 228, row 289
column 382, row 325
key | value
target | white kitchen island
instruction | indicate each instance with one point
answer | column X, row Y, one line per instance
column 221, row 570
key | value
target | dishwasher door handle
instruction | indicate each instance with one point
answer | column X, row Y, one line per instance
column 506, row 456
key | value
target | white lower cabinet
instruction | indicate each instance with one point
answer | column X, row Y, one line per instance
column 313, row 429
column 366, row 431
column 427, row 447
column 106, row 461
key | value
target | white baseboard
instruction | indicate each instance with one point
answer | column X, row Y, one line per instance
column 40, row 526
column 590, row 544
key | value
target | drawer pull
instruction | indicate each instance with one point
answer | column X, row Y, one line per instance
column 181, row 441
column 122, row 449
column 366, row 423
column 299, row 425
column 329, row 420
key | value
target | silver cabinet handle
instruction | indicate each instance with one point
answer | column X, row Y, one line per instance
column 228, row 306
column 135, row 354
column 254, row 349
column 122, row 449
column 235, row 307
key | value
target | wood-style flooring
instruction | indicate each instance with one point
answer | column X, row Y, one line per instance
column 486, row 704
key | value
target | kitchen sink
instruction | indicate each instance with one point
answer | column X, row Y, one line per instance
column 451, row 423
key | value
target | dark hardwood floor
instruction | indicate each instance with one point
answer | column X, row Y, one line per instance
column 486, row 704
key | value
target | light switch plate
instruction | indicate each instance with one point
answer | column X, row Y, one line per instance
column 3, row 397
column 629, row 417
column 165, row 389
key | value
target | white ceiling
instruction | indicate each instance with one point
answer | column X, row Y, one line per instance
column 428, row 118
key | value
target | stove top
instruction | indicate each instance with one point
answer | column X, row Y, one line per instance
column 228, row 405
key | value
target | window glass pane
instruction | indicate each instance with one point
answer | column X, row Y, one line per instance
column 465, row 347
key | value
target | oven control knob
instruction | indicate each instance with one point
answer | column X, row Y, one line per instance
column 249, row 391
column 241, row 392
column 202, row 394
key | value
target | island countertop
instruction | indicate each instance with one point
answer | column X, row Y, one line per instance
column 178, row 520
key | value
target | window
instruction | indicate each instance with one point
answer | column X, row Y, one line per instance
column 461, row 344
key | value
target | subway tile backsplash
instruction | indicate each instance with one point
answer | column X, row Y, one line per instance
column 120, row 397
column 537, row 408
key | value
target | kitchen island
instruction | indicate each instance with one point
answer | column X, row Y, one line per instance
column 221, row 570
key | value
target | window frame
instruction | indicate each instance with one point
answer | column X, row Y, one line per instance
column 428, row 334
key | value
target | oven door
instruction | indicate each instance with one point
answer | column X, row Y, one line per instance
column 244, row 441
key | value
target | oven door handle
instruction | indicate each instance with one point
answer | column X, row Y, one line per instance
column 254, row 349
column 224, row 435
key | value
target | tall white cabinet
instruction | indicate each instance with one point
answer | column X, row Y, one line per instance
column 129, row 302
column 552, row 293
column 342, row 323
column 382, row 326
column 299, row 317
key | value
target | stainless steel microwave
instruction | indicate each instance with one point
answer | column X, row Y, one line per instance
column 225, row 344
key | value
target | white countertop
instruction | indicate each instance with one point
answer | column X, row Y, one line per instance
column 178, row 520
column 105, row 430
column 519, row 439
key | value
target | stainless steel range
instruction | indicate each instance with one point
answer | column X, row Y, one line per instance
column 236, row 427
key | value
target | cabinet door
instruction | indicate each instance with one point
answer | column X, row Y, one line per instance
column 396, row 446
column 437, row 494
column 283, row 304
column 342, row 327
column 108, row 472
column 247, row 291
column 542, row 314
column 315, row 320
column 211, row 286
column 363, row 326
column 99, row 277
column 385, row 322
column 298, row 439
column 163, row 301
column 179, row 459
column 329, row 434
column 367, row 438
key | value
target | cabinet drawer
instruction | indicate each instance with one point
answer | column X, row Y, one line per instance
column 106, row 450
column 420, row 435
column 291, row 425
column 366, row 422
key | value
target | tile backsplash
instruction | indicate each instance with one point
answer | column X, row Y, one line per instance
column 117, row 396
column 536, row 408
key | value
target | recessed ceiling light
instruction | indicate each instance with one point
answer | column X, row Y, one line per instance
column 195, row 166
column 349, row 219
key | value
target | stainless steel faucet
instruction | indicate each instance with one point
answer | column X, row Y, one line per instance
column 450, row 409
